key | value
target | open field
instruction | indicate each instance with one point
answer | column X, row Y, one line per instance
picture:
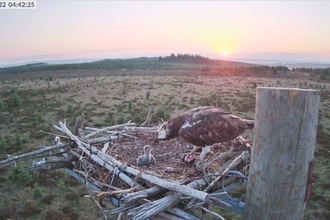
column 113, row 97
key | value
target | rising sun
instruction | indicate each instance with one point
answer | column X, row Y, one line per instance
column 224, row 52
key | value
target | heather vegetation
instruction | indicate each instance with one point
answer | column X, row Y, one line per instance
column 34, row 101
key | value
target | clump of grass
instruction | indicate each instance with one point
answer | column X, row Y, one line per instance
column 15, row 100
column 72, row 196
column 1, row 103
column 36, row 191
column 53, row 215
column 120, row 107
column 52, row 103
column 3, row 146
column 160, row 112
column 121, row 120
column 69, row 108
column 67, row 209
column 18, row 138
column 48, row 199
column 148, row 95
column 29, row 210
column 202, row 102
column 192, row 100
column 40, row 117
column 137, row 118
column 83, row 192
column 72, row 216
column 61, row 185
column 23, row 177
column 113, row 121
column 129, row 105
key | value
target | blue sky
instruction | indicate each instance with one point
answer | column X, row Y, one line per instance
column 296, row 30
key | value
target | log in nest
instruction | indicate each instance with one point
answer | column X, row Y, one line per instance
column 106, row 159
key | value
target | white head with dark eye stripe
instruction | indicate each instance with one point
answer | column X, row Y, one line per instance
column 162, row 132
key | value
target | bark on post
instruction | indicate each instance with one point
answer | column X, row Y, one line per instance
column 285, row 133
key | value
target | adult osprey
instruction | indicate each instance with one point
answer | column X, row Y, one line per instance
column 204, row 126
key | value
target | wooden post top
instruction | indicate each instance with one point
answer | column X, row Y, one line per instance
column 285, row 129
column 285, row 88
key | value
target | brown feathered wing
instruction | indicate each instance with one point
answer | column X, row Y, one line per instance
column 211, row 125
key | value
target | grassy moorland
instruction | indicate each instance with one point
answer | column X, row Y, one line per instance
column 34, row 101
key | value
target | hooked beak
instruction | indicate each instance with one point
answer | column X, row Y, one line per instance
column 156, row 140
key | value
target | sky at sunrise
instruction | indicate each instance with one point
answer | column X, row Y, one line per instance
column 61, row 30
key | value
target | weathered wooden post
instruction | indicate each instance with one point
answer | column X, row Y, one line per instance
column 285, row 133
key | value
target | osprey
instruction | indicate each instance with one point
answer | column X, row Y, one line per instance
column 147, row 158
column 204, row 126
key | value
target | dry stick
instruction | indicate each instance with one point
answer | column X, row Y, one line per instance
column 145, row 129
column 103, row 184
column 114, row 161
column 181, row 213
column 113, row 146
column 150, row 209
column 148, row 118
column 109, row 128
column 191, row 204
column 97, row 158
column 80, row 144
column 221, row 156
column 118, row 210
column 30, row 154
column 158, row 206
column 121, row 175
column 107, row 193
column 90, row 194
column 168, row 216
column 130, row 128
column 147, row 193
column 96, row 182
column 119, row 216
column 195, row 205
column 177, row 142
column 224, row 172
column 121, row 133
column 41, row 131
column 186, row 190
column 223, row 167
column 213, row 213
column 211, row 175
column 116, row 133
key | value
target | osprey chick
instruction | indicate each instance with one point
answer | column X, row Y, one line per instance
column 147, row 158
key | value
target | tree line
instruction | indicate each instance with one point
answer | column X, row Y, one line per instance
column 107, row 64
column 187, row 58
column 172, row 62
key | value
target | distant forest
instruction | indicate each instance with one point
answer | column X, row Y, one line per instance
column 187, row 58
column 172, row 62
